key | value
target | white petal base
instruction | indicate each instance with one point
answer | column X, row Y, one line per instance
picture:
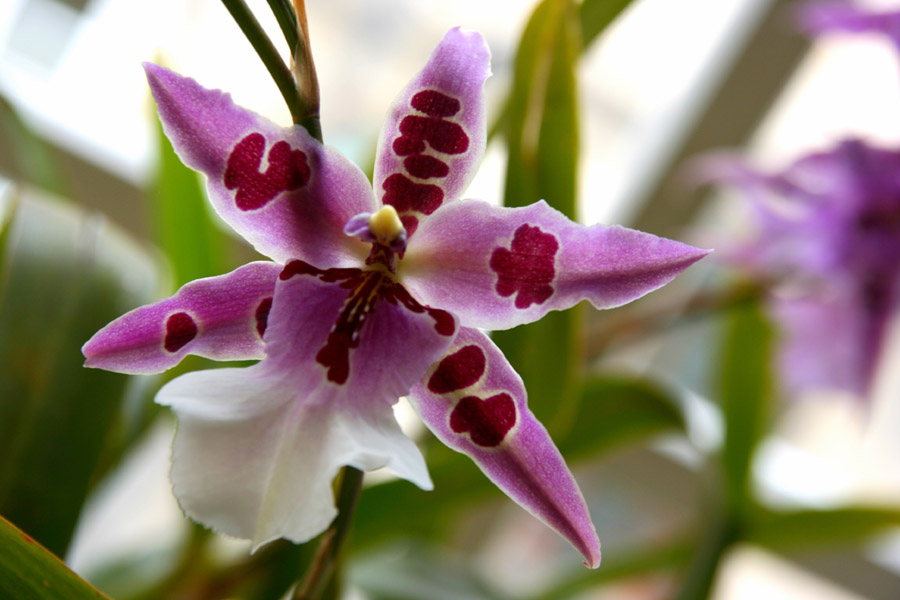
column 252, row 461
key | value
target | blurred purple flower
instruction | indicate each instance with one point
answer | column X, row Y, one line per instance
column 840, row 15
column 829, row 233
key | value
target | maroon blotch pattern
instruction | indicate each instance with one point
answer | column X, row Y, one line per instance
column 406, row 196
column 418, row 133
column 425, row 167
column 435, row 104
column 367, row 288
column 486, row 421
column 287, row 170
column 458, row 370
column 180, row 329
column 262, row 315
column 526, row 268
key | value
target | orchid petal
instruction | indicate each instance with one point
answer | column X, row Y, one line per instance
column 833, row 339
column 831, row 16
column 252, row 459
column 435, row 133
column 282, row 190
column 475, row 403
column 222, row 318
column 497, row 267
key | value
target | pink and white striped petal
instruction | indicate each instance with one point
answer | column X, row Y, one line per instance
column 254, row 459
column 434, row 137
column 223, row 318
column 282, row 190
column 475, row 403
column 496, row 267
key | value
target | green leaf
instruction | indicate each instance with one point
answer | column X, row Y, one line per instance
column 745, row 395
column 65, row 275
column 542, row 138
column 29, row 572
column 184, row 226
column 542, row 132
column 596, row 15
column 616, row 410
column 787, row 531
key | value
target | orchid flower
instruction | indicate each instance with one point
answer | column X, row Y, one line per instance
column 826, row 16
column 829, row 231
column 369, row 296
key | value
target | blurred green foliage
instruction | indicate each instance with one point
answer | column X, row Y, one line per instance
column 65, row 275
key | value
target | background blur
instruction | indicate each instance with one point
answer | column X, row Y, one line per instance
column 87, row 234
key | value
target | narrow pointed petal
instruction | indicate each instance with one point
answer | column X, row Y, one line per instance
column 254, row 460
column 282, row 190
column 435, row 133
column 223, row 318
column 497, row 267
column 475, row 403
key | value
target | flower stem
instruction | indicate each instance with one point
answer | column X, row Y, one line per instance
column 721, row 534
column 287, row 20
column 301, row 112
column 322, row 567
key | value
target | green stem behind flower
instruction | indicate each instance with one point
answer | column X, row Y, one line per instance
column 287, row 20
column 304, row 111
column 322, row 567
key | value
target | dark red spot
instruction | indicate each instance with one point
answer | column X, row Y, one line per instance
column 425, row 167
column 526, row 267
column 410, row 224
column 486, row 421
column 404, row 195
column 180, row 329
column 442, row 135
column 262, row 315
column 435, row 104
column 458, row 370
column 287, row 170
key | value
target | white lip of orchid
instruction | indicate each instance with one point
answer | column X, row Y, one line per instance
column 385, row 225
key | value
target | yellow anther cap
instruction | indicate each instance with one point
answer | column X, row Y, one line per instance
column 385, row 225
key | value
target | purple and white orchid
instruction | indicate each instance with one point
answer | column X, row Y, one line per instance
column 370, row 296
column 829, row 233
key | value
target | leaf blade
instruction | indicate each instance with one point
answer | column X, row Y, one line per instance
column 28, row 571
